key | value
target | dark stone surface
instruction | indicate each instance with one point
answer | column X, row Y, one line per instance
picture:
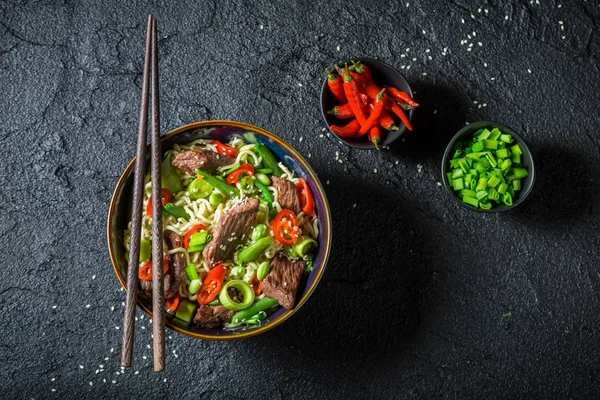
column 421, row 298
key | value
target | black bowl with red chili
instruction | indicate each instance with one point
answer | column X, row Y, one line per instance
column 366, row 103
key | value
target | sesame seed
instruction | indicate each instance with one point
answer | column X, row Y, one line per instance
column 104, row 380
column 338, row 47
column 472, row 16
column 354, row 205
column 397, row 162
column 402, row 55
column 424, row 32
column 560, row 22
column 435, row 111
column 87, row 306
column 475, row 101
column 112, row 349
column 469, row 49
column 486, row 10
column 91, row 383
column 114, row 382
column 328, row 182
column 144, row 357
column 479, row 44
column 493, row 79
column 53, row 307
column 112, row 308
column 462, row 20
column 560, row 5
column 300, row 84
column 101, row 366
column 300, row 139
column 506, row 17
column 117, row 328
column 164, row 380
column 485, row 65
column 529, row 70
column 484, row 104
column 431, row 58
column 427, row 51
column 408, row 67
column 375, row 170
column 54, row 390
column 262, row 26
column 81, row 366
column 136, row 372
column 439, row 183
column 52, row 380
column 474, row 34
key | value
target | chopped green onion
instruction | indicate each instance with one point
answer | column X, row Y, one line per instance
column 516, row 185
column 471, row 200
column 482, row 184
column 244, row 295
column 458, row 184
column 194, row 286
column 186, row 310
column 502, row 188
column 481, row 194
column 145, row 250
column 191, row 272
column 516, row 149
column 520, row 173
column 487, row 169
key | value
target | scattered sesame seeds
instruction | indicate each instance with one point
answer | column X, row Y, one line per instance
column 53, row 307
column 321, row 135
column 506, row 17
column 81, row 367
column 469, row 49
column 375, row 170
column 427, row 50
column 402, row 55
column 52, row 380
column 164, row 380
column 301, row 138
column 93, row 276
column 327, row 182
column 424, row 31
column 104, row 380
column 528, row 70
column 475, row 102
column 354, row 205
column 485, row 65
column 397, row 162
column 472, row 16
column 560, row 5
column 91, row 383
column 54, row 390
column 112, row 308
column 114, row 382
column 117, row 328
column 112, row 349
column 439, row 183
column 136, row 373
column 338, row 47
column 462, row 20
column 435, row 111
column 485, row 10
column 87, row 306
column 144, row 358
column 479, row 44
column 101, row 366
column 262, row 26
column 484, row 104
column 419, row 168
column 424, row 73
column 560, row 22
column 431, row 58
column 408, row 67
column 299, row 84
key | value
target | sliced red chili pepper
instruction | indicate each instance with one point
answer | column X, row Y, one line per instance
column 145, row 273
column 225, row 150
column 307, row 201
column 335, row 84
column 375, row 113
column 234, row 177
column 212, row 284
column 188, row 235
column 347, row 131
column 166, row 198
column 285, row 227
column 172, row 303
column 401, row 96
column 256, row 285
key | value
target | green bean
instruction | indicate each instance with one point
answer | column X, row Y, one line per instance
column 176, row 211
column 230, row 170
column 254, row 250
column 237, row 272
column 263, row 270
column 269, row 159
column 265, row 192
column 145, row 250
column 265, row 171
column 219, row 184
column 261, row 305
column 262, row 178
column 215, row 302
column 256, row 319
column 215, row 198
column 259, row 232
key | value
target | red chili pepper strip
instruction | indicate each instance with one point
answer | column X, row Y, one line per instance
column 375, row 114
column 348, row 131
column 188, row 235
column 375, row 136
column 212, row 284
column 336, row 85
column 145, row 273
column 234, row 177
column 225, row 150
column 285, row 227
column 386, row 121
column 172, row 303
column 307, row 202
column 256, row 285
column 401, row 96
column 353, row 96
column 166, row 198
column 342, row 112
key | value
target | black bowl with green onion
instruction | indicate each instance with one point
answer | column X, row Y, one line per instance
column 487, row 167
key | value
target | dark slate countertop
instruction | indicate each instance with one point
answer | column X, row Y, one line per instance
column 421, row 298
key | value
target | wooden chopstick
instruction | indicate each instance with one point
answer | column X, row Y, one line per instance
column 158, row 301
column 136, row 221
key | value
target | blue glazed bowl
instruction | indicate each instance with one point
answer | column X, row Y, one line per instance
column 223, row 131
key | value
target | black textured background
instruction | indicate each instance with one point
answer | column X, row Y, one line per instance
column 421, row 298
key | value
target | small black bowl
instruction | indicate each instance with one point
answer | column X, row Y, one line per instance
column 383, row 74
column 466, row 134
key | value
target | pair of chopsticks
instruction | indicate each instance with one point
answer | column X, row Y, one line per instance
column 150, row 78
